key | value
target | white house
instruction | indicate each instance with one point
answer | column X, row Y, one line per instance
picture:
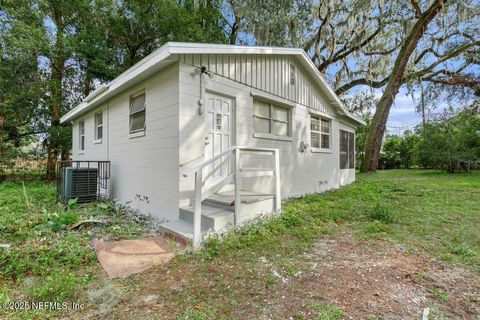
column 191, row 123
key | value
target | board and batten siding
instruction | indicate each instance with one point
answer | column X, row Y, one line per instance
column 301, row 172
column 144, row 170
column 268, row 73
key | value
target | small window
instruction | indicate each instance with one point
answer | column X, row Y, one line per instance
column 319, row 132
column 99, row 126
column 347, row 150
column 137, row 113
column 271, row 119
column 81, row 135
column 293, row 75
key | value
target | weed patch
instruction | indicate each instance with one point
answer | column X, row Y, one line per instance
column 382, row 214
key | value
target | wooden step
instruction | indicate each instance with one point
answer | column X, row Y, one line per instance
column 227, row 198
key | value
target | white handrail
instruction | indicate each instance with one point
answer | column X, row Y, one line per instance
column 257, row 149
column 205, row 163
column 198, row 170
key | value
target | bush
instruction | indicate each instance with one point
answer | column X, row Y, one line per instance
column 291, row 218
column 63, row 220
column 382, row 214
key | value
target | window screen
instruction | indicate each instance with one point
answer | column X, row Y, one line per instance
column 347, row 150
column 137, row 113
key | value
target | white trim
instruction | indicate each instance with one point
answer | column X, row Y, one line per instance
column 163, row 56
column 144, row 110
column 320, row 150
column 320, row 133
column 271, row 136
column 81, row 125
column 320, row 114
column 95, row 93
column 271, row 98
column 137, row 134
column 96, row 140
column 289, row 122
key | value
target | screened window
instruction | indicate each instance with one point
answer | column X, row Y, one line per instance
column 99, row 126
column 81, row 135
column 319, row 132
column 347, row 150
column 137, row 113
column 271, row 119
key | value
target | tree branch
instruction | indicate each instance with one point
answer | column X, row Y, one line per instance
column 444, row 58
column 361, row 81
column 342, row 53
column 418, row 11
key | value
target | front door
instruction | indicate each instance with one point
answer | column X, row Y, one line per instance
column 219, row 111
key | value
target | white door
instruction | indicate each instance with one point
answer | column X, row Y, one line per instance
column 219, row 120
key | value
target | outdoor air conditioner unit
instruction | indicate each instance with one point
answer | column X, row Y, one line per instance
column 81, row 183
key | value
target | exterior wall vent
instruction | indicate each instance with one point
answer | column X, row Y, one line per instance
column 293, row 75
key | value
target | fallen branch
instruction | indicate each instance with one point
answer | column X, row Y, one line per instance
column 80, row 223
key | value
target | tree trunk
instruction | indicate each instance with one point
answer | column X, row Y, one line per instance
column 58, row 66
column 379, row 122
column 234, row 32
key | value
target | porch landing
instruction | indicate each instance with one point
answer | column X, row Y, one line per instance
column 218, row 212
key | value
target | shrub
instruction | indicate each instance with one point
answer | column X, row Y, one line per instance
column 65, row 219
column 291, row 218
column 381, row 213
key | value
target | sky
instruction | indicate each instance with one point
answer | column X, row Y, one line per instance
column 403, row 115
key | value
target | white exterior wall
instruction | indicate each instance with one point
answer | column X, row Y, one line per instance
column 144, row 170
column 240, row 76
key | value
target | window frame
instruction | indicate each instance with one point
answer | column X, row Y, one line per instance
column 138, row 132
column 81, row 136
column 96, row 126
column 321, row 133
column 270, row 135
column 350, row 151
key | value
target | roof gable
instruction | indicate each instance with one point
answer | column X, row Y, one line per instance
column 166, row 54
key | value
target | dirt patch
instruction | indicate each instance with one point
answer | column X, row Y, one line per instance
column 362, row 279
column 121, row 259
column 380, row 279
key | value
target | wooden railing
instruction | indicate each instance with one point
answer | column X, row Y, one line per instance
column 231, row 155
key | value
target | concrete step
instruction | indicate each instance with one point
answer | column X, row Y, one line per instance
column 253, row 203
column 180, row 228
column 218, row 212
column 213, row 218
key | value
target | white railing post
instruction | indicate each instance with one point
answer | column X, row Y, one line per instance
column 197, row 211
column 237, row 186
column 278, row 200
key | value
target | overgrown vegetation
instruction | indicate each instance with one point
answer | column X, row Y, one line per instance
column 449, row 141
column 414, row 207
column 41, row 258
column 424, row 212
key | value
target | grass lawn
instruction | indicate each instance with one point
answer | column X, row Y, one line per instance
column 425, row 213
